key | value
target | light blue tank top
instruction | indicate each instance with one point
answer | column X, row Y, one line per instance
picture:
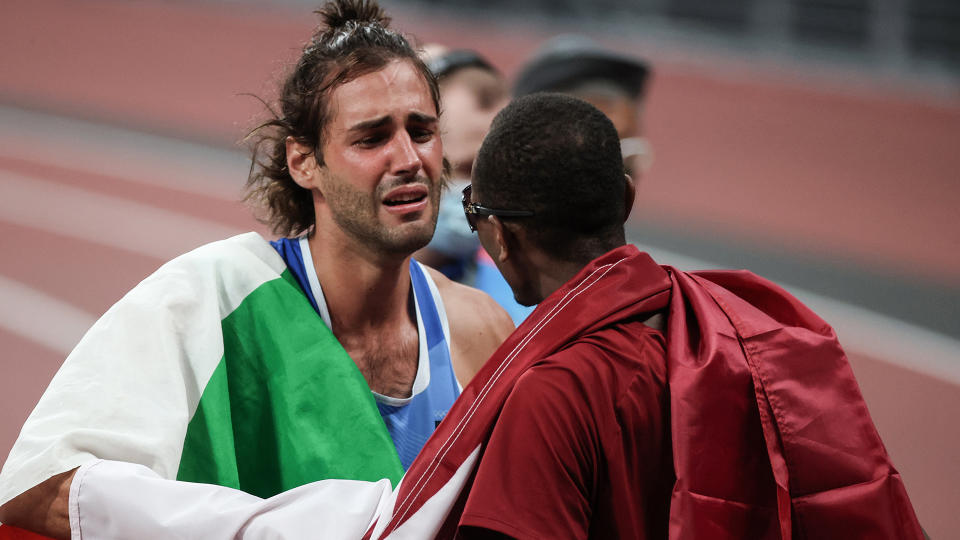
column 410, row 421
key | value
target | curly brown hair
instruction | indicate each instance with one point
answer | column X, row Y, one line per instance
column 353, row 39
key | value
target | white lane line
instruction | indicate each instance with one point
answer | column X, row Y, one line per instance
column 861, row 330
column 40, row 318
column 122, row 153
column 103, row 219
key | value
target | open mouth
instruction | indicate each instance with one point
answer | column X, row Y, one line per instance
column 407, row 198
column 401, row 200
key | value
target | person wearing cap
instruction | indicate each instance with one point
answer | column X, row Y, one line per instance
column 613, row 82
column 472, row 91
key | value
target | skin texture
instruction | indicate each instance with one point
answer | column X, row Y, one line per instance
column 381, row 141
column 477, row 325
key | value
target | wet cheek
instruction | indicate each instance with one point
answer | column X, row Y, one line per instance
column 433, row 154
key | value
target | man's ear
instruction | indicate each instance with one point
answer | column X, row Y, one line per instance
column 629, row 195
column 500, row 238
column 302, row 163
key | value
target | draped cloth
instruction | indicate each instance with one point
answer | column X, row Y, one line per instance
column 214, row 369
column 771, row 437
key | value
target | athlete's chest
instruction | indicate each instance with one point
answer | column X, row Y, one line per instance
column 388, row 359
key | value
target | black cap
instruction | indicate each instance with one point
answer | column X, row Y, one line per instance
column 567, row 61
column 457, row 59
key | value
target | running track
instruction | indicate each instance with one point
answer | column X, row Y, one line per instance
column 117, row 124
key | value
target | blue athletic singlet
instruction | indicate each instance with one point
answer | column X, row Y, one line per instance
column 410, row 421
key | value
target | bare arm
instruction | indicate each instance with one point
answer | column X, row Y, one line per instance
column 478, row 325
column 43, row 508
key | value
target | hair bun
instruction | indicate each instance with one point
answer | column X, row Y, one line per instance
column 340, row 13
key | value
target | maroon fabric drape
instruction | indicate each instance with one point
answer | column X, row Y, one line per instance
column 771, row 436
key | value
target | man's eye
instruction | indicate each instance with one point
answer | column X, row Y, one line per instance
column 421, row 134
column 371, row 140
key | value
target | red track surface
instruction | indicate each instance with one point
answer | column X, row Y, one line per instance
column 872, row 178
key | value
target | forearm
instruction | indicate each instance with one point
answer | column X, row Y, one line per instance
column 43, row 508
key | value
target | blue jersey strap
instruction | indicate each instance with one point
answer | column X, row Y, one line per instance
column 289, row 249
column 428, row 309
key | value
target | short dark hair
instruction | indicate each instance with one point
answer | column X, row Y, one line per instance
column 560, row 157
column 353, row 39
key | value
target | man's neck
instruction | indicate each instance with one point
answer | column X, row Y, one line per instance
column 363, row 292
column 553, row 273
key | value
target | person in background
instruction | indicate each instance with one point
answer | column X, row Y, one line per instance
column 472, row 91
column 613, row 82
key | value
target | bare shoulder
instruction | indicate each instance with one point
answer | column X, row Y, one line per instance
column 478, row 325
column 475, row 312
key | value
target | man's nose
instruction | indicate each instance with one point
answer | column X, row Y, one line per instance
column 406, row 157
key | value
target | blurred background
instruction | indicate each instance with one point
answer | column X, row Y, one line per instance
column 815, row 142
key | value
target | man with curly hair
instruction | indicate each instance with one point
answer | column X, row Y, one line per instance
column 261, row 366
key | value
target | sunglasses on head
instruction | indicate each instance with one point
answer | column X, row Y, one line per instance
column 471, row 210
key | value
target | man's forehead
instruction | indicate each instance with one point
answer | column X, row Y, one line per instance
column 397, row 90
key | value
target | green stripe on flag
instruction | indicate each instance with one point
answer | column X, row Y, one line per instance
column 286, row 405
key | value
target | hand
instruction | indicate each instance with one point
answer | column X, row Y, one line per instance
column 43, row 509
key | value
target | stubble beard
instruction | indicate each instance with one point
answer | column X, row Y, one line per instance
column 357, row 214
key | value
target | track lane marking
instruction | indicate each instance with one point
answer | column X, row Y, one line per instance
column 103, row 219
column 126, row 154
column 40, row 318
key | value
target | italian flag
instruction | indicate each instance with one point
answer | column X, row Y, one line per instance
column 214, row 369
